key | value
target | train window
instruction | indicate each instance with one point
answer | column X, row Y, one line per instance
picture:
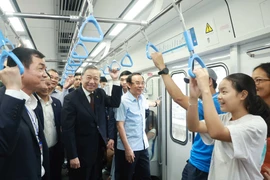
column 178, row 114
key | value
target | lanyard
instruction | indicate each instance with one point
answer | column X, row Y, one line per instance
column 34, row 122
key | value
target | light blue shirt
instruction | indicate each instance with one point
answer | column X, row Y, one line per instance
column 60, row 95
column 132, row 112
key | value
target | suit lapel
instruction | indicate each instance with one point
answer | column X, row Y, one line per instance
column 27, row 120
column 85, row 103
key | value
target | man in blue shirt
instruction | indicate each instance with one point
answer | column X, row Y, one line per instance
column 198, row 165
column 131, row 158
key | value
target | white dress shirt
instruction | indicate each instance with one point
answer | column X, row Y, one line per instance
column 49, row 122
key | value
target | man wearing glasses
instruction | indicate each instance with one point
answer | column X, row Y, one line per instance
column 131, row 158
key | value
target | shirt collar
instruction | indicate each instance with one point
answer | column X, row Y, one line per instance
column 30, row 101
column 87, row 93
column 41, row 100
column 131, row 97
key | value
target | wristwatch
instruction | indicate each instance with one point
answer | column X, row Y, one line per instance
column 164, row 71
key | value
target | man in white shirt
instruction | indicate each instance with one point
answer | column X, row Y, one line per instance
column 23, row 148
column 51, row 111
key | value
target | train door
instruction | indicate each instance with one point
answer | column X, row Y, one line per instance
column 153, row 93
column 179, row 139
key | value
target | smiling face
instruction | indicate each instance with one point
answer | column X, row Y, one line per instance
column 34, row 76
column 262, row 82
column 90, row 79
column 136, row 86
column 229, row 99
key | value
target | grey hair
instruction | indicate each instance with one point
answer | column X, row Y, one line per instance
column 89, row 67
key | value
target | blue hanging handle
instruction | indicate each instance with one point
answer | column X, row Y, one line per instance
column 75, row 55
column 91, row 19
column 4, row 56
column 114, row 62
column 130, row 60
column 71, row 68
column 106, row 72
column 193, row 57
column 71, row 62
column 149, row 44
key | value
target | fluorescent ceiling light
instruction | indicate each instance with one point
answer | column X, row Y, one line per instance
column 136, row 9
column 6, row 6
column 84, row 64
column 132, row 13
column 100, row 47
column 79, row 70
column 16, row 24
column 28, row 43
column 118, row 28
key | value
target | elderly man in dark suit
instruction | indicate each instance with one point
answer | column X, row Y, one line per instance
column 85, row 126
column 23, row 148
column 50, row 112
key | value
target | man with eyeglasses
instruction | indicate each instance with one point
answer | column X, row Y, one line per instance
column 54, row 82
column 131, row 158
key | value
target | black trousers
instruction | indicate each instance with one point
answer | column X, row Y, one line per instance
column 139, row 169
column 56, row 154
column 90, row 173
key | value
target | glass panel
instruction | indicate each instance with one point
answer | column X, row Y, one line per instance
column 178, row 128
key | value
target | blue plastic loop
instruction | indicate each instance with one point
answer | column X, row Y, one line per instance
column 191, row 60
column 114, row 62
column 91, row 19
column 188, row 41
column 2, row 40
column 71, row 68
column 149, row 44
column 72, row 62
column 106, row 72
column 3, row 57
column 9, row 42
column 75, row 55
column 130, row 61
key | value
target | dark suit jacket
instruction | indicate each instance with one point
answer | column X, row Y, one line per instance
column 20, row 156
column 56, row 106
column 82, row 127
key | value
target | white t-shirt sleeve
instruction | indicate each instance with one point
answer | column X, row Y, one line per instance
column 206, row 137
column 245, row 135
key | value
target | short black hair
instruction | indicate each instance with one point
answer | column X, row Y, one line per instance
column 24, row 55
column 54, row 70
column 77, row 74
column 103, row 79
column 129, row 78
column 125, row 73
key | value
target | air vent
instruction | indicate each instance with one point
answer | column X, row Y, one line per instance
column 70, row 5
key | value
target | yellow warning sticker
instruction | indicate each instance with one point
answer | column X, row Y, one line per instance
column 208, row 28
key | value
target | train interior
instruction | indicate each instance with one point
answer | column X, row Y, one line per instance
column 229, row 35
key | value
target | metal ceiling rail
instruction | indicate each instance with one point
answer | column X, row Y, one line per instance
column 251, row 52
column 73, row 18
column 161, row 13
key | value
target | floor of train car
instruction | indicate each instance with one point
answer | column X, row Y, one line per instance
column 105, row 175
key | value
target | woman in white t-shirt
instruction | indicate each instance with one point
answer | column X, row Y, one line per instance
column 239, row 136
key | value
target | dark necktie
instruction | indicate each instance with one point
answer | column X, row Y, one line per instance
column 92, row 101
